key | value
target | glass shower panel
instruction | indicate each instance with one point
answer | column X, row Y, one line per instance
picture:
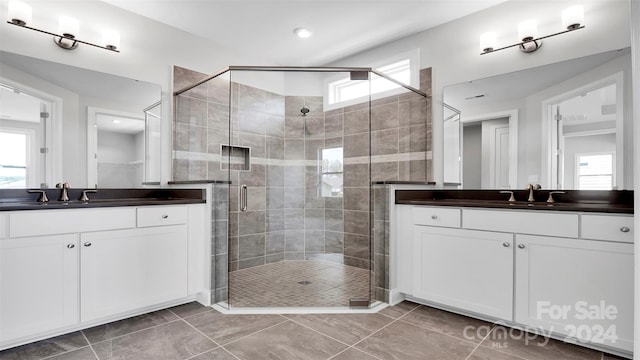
column 152, row 149
column 299, row 210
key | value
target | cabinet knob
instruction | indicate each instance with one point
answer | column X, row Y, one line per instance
column 71, row 246
column 165, row 216
column 434, row 217
column 506, row 244
column 625, row 229
column 87, row 244
column 521, row 246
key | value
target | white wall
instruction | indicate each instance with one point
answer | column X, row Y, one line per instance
column 116, row 147
column 452, row 49
column 148, row 52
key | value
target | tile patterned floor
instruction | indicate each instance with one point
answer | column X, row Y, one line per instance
column 193, row 332
column 278, row 285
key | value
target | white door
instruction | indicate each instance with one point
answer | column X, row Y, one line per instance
column 495, row 154
column 580, row 288
column 123, row 270
column 38, row 285
column 471, row 270
column 500, row 159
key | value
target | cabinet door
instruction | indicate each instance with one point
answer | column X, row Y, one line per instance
column 38, row 285
column 471, row 270
column 124, row 270
column 573, row 287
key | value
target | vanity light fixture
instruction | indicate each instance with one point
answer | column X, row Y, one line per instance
column 572, row 19
column 20, row 14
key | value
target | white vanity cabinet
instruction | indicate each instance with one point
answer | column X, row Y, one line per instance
column 63, row 270
column 123, row 270
column 38, row 284
column 576, row 287
column 467, row 269
column 564, row 273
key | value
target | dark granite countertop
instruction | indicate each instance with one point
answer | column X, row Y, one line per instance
column 398, row 182
column 616, row 201
column 195, row 182
column 20, row 199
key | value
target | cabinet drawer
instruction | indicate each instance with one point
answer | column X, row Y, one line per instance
column 436, row 216
column 162, row 215
column 550, row 223
column 50, row 222
column 607, row 227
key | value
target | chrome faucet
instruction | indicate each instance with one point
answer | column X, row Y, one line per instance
column 43, row 195
column 512, row 198
column 551, row 200
column 64, row 195
column 84, row 197
column 531, row 188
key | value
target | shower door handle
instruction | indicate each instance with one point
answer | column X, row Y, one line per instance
column 243, row 198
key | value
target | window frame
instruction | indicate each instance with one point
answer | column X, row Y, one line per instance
column 32, row 162
column 322, row 173
column 413, row 56
column 613, row 168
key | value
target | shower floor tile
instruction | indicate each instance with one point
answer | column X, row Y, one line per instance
column 298, row 284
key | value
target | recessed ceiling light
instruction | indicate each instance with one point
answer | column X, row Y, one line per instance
column 302, row 33
column 116, row 121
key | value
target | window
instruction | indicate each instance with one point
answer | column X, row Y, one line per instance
column 342, row 91
column 346, row 89
column 331, row 172
column 595, row 171
column 13, row 160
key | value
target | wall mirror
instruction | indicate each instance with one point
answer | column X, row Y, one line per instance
column 42, row 103
column 564, row 125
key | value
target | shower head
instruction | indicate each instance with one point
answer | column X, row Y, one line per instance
column 305, row 110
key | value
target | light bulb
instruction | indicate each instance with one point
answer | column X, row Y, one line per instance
column 69, row 27
column 111, row 39
column 488, row 41
column 573, row 17
column 527, row 30
column 20, row 13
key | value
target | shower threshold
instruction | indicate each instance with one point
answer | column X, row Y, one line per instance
column 223, row 308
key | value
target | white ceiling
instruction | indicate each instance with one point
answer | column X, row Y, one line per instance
column 262, row 30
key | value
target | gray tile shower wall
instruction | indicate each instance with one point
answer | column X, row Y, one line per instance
column 286, row 217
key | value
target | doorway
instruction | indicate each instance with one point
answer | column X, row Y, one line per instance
column 489, row 150
column 116, row 144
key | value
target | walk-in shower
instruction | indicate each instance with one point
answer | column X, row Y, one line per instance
column 296, row 153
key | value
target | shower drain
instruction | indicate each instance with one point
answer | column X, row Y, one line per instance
column 304, row 282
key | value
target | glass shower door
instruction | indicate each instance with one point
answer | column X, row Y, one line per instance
column 292, row 241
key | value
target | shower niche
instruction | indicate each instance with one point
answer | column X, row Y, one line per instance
column 296, row 221
column 235, row 158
